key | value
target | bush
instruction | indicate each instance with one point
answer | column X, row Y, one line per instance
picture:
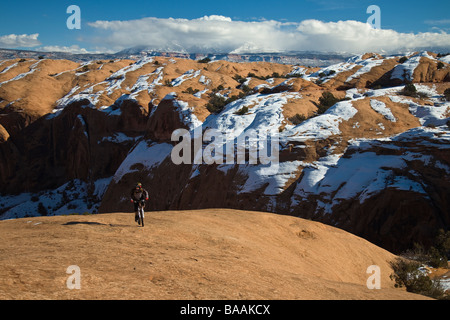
column 42, row 210
column 190, row 91
column 447, row 94
column 242, row 111
column 407, row 274
column 239, row 78
column 204, row 60
column 410, row 90
column 440, row 65
column 216, row 103
column 276, row 75
column 297, row 119
column 326, row 101
column 402, row 59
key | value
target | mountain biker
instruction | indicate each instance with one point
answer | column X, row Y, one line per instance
column 138, row 194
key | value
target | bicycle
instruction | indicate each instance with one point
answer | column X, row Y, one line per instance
column 140, row 213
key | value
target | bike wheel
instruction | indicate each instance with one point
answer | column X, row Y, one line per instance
column 141, row 216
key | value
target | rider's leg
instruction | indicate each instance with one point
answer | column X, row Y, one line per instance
column 136, row 208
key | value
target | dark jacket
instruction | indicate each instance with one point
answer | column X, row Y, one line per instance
column 138, row 194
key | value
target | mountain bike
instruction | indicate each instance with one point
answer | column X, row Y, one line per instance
column 141, row 205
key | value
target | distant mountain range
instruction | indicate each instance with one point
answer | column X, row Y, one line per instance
column 306, row 58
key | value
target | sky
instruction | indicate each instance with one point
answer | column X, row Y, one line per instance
column 226, row 26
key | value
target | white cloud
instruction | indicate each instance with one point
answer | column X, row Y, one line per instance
column 19, row 40
column 75, row 49
column 222, row 34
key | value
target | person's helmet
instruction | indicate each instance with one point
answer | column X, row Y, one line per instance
column 138, row 185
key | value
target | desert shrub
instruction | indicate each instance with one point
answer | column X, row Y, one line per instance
column 190, row 91
column 276, row 75
column 204, row 60
column 42, row 210
column 442, row 242
column 402, row 59
column 245, row 88
column 326, row 101
column 434, row 254
column 239, row 78
column 297, row 119
column 242, row 111
column 410, row 90
column 447, row 94
column 216, row 103
column 408, row 274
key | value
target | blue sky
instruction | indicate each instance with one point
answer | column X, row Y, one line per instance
column 48, row 20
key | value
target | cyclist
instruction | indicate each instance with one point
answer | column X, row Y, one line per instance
column 138, row 194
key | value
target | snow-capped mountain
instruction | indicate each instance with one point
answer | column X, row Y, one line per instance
column 355, row 149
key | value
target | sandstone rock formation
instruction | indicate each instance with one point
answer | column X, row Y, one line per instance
column 76, row 137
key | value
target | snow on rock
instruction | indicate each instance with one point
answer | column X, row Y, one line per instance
column 365, row 173
column 264, row 114
column 75, row 196
column 33, row 68
column 382, row 109
column 445, row 59
column 186, row 76
column 367, row 65
column 405, row 70
column 322, row 126
column 144, row 154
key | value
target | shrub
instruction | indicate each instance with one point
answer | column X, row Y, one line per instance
column 242, row 111
column 410, row 90
column 276, row 75
column 440, row 65
column 239, row 78
column 41, row 209
column 204, row 60
column 447, row 94
column 402, row 59
column 190, row 91
column 245, row 88
column 407, row 274
column 297, row 119
column 326, row 101
column 216, row 103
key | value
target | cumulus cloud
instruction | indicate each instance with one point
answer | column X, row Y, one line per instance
column 75, row 49
column 222, row 34
column 19, row 40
